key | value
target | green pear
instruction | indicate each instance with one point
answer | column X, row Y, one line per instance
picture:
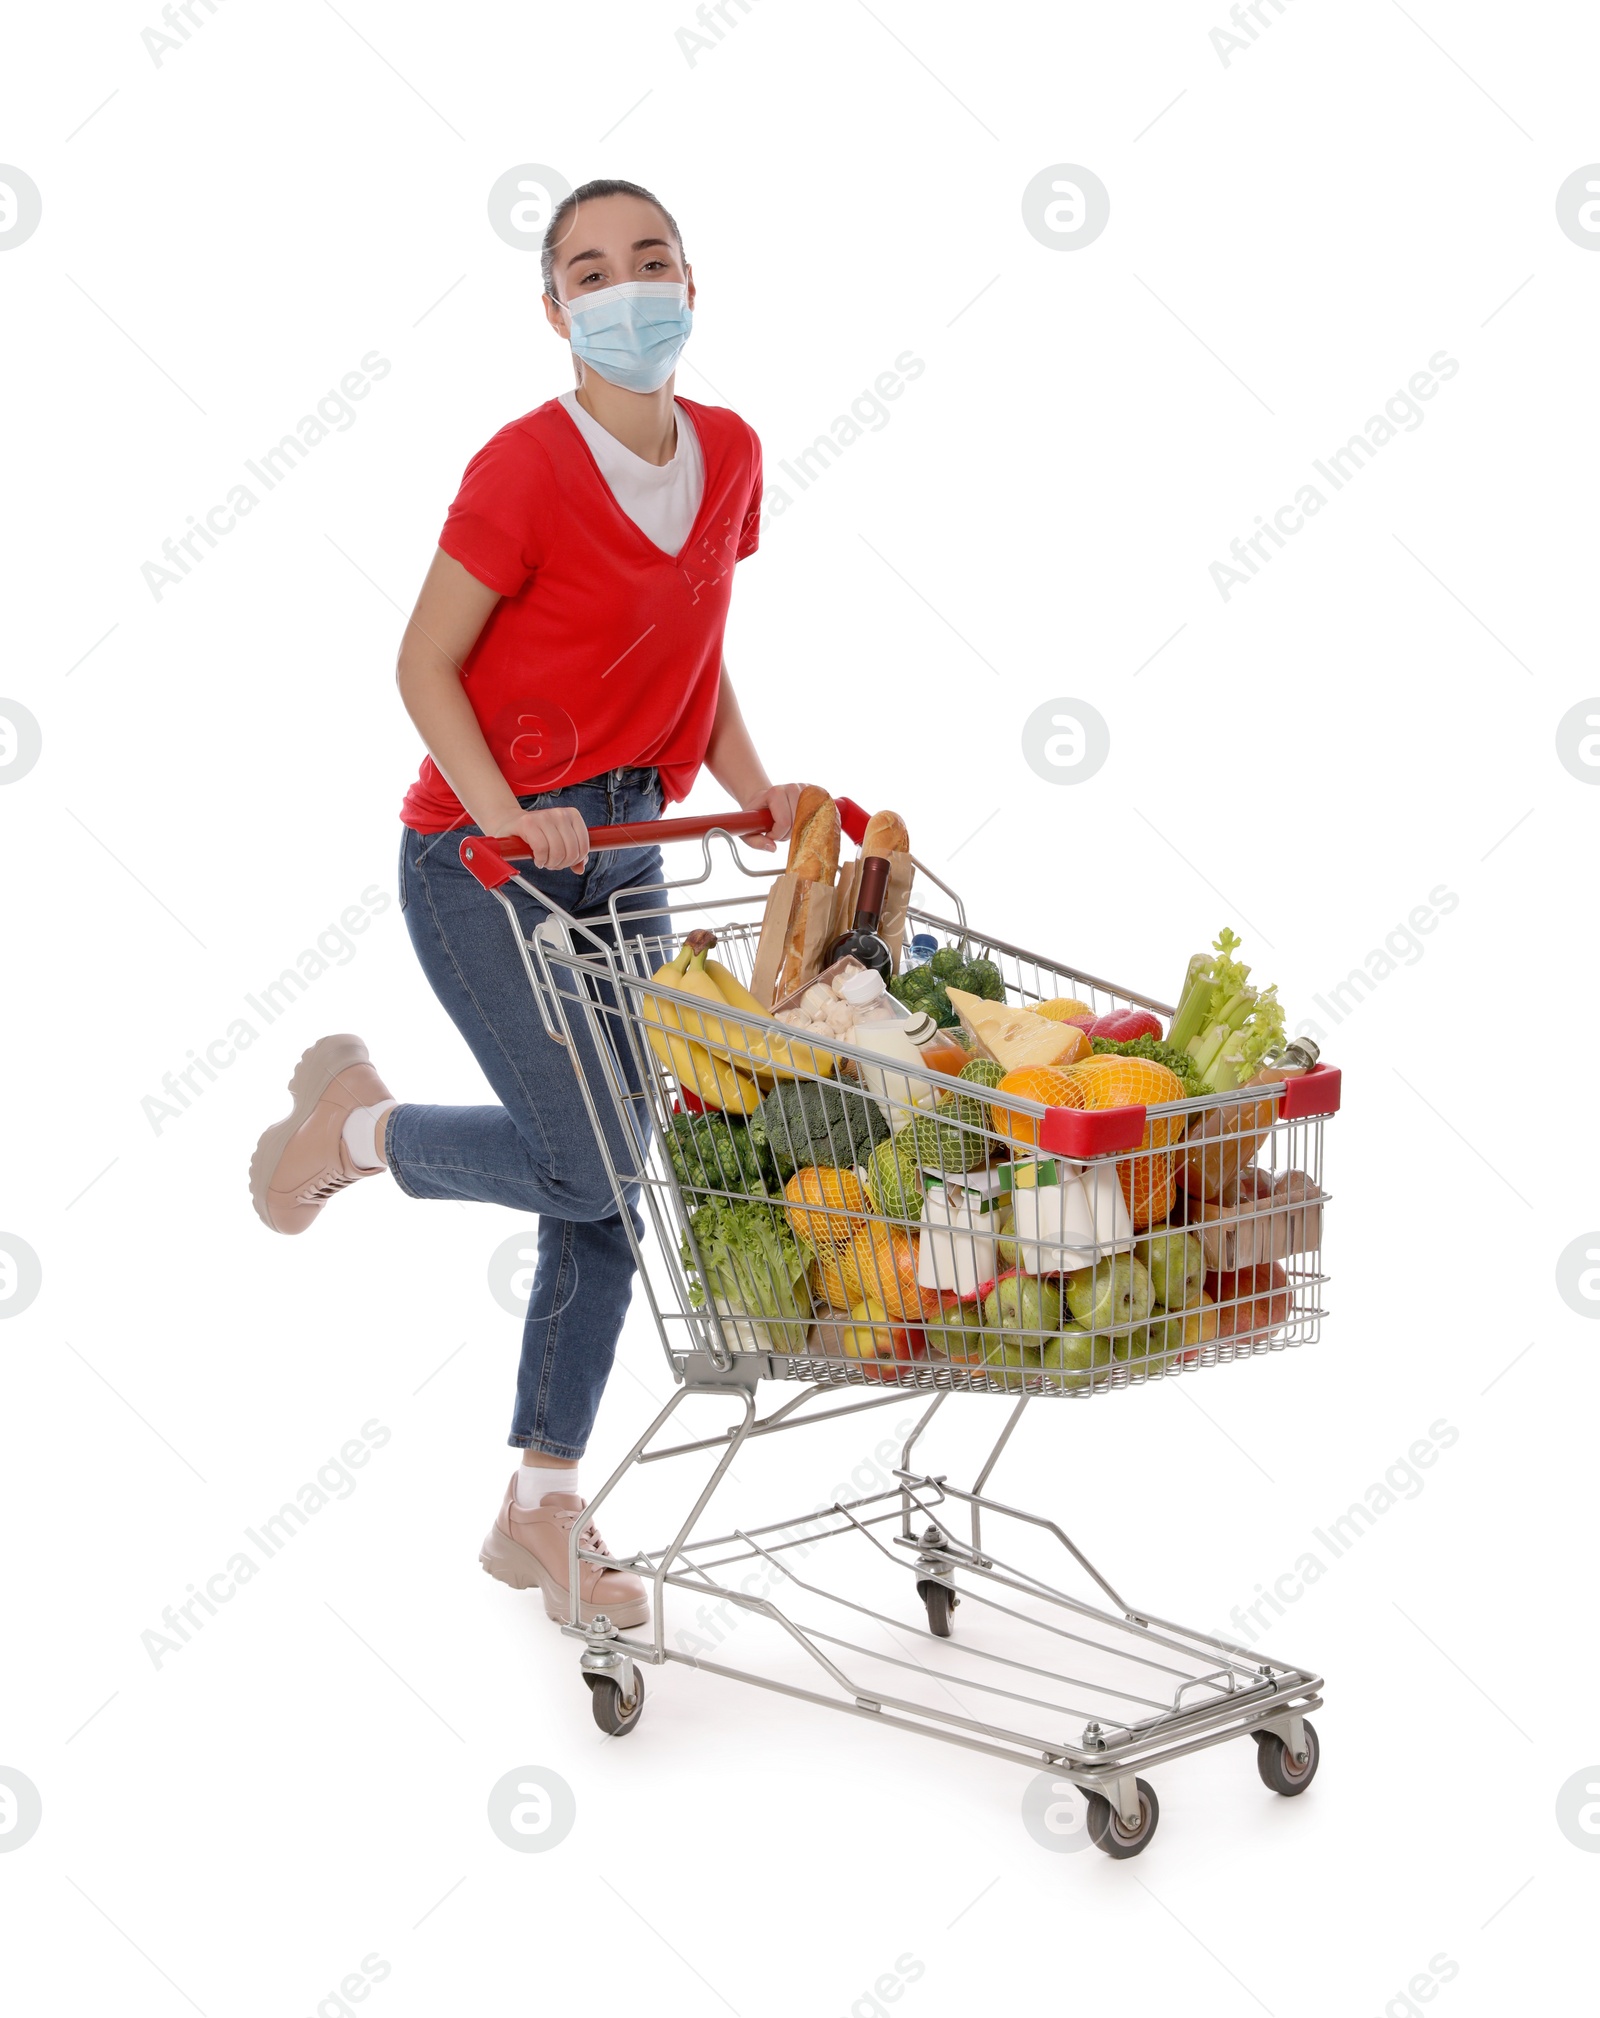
column 1010, row 1361
column 1184, row 1330
column 1011, row 1352
column 1113, row 1294
column 1021, row 1309
column 957, row 1334
column 1176, row 1264
column 1073, row 1356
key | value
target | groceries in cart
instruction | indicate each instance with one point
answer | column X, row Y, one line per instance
column 814, row 907
column 875, row 1144
column 968, row 1172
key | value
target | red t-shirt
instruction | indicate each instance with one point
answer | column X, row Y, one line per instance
column 605, row 650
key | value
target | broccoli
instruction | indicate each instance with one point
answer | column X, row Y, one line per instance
column 921, row 991
column 925, row 988
column 807, row 1121
column 712, row 1155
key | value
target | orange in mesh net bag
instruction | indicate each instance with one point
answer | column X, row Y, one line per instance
column 1147, row 1177
column 823, row 1185
column 1047, row 1084
column 877, row 1265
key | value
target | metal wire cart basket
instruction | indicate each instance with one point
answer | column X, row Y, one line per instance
column 905, row 1236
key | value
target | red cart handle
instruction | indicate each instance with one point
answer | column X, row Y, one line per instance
column 1101, row 1131
column 489, row 859
column 1080, row 1134
column 1315, row 1092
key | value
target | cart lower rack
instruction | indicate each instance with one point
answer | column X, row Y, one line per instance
column 916, row 1232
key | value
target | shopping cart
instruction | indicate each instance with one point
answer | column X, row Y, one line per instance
column 862, row 1289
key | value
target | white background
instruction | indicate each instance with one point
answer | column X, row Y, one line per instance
column 1294, row 236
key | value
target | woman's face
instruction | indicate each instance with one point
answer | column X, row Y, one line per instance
column 609, row 240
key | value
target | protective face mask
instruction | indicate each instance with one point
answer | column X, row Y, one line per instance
column 632, row 334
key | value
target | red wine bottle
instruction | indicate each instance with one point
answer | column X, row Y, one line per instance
column 861, row 942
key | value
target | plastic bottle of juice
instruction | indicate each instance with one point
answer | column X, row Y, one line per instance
column 944, row 1052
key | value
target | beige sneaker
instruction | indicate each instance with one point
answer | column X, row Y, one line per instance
column 301, row 1161
column 527, row 1549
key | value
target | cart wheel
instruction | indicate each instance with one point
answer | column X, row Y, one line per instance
column 941, row 1602
column 614, row 1716
column 1106, row 1829
column 1278, row 1770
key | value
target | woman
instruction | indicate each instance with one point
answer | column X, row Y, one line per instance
column 570, row 628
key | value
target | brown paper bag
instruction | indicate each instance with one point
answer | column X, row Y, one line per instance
column 896, row 902
column 796, row 931
column 1241, row 1227
column 1258, row 1221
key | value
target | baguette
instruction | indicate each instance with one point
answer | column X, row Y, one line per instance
column 886, row 835
column 814, row 838
column 791, row 967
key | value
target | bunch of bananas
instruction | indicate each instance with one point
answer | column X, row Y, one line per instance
column 723, row 1063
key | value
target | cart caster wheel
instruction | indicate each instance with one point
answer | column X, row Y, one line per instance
column 1278, row 1770
column 1106, row 1829
column 941, row 1602
column 615, row 1717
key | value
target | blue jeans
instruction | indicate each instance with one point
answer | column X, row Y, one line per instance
column 536, row 1151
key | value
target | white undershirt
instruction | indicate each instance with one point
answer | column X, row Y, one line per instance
column 662, row 499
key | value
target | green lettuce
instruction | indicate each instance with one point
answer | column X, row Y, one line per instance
column 751, row 1262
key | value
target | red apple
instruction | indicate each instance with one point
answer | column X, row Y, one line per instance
column 1252, row 1302
column 875, row 1337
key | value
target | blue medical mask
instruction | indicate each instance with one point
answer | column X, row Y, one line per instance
column 632, row 334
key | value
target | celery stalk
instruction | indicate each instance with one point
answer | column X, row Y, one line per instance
column 1189, row 1018
column 1205, row 1049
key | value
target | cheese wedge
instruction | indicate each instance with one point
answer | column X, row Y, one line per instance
column 1017, row 1037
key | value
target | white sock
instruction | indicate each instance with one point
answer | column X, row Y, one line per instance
column 361, row 1134
column 535, row 1480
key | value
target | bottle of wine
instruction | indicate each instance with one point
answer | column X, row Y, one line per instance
column 862, row 941
column 1292, row 1060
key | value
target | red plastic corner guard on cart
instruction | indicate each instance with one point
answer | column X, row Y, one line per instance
column 490, row 859
column 1099, row 1131
column 1314, row 1092
column 1108, row 1131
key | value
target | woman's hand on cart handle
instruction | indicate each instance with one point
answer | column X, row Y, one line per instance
column 555, row 839
column 780, row 801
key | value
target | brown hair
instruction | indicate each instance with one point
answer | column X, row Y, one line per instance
column 562, row 217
